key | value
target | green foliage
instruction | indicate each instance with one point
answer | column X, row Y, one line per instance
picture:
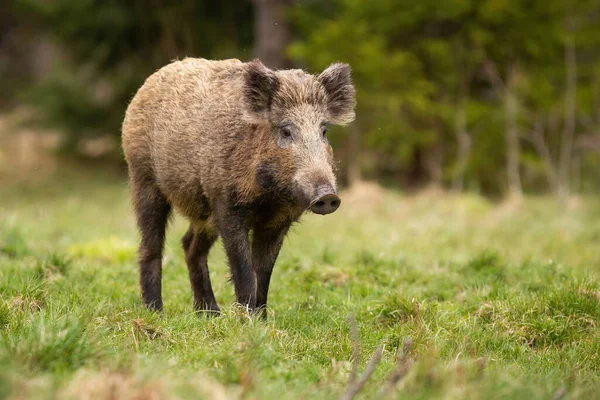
column 12, row 242
column 108, row 48
column 46, row 342
column 431, row 77
column 4, row 315
column 418, row 66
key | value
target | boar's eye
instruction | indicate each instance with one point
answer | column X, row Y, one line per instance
column 324, row 132
column 286, row 132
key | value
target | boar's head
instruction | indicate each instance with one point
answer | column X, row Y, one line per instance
column 295, row 108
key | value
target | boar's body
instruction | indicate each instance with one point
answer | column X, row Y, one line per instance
column 234, row 147
column 187, row 124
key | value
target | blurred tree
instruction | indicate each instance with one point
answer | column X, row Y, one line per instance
column 272, row 32
column 442, row 84
column 393, row 93
column 489, row 95
column 517, row 37
column 110, row 47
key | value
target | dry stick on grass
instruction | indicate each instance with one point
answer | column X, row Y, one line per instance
column 355, row 386
column 560, row 393
column 355, row 349
column 402, row 367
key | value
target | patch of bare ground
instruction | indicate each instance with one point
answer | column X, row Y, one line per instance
column 25, row 153
column 30, row 155
column 363, row 197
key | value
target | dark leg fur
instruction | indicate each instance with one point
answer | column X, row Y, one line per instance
column 152, row 211
column 235, row 241
column 197, row 244
column 265, row 249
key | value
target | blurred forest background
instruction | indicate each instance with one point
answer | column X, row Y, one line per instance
column 498, row 97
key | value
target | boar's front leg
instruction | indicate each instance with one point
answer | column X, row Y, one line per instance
column 234, row 235
column 265, row 249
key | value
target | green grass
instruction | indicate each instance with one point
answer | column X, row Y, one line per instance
column 500, row 301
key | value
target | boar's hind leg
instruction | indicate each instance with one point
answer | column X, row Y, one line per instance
column 265, row 249
column 152, row 211
column 197, row 244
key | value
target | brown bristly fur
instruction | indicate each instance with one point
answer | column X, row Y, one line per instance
column 203, row 137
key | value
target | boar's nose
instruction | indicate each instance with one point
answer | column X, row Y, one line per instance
column 326, row 202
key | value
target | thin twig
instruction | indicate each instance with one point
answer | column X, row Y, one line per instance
column 355, row 348
column 560, row 393
column 402, row 367
column 356, row 387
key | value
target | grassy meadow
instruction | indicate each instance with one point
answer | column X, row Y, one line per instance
column 500, row 300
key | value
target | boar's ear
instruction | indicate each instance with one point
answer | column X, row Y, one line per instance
column 338, row 85
column 260, row 85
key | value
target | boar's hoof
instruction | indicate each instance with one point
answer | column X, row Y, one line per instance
column 260, row 313
column 154, row 305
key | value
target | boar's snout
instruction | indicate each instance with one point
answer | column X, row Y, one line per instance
column 326, row 201
column 326, row 204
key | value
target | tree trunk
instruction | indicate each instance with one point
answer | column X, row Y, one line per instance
column 539, row 143
column 576, row 182
column 566, row 145
column 597, row 100
column 513, row 147
column 271, row 32
column 463, row 140
column 416, row 171
column 353, row 174
column 434, row 158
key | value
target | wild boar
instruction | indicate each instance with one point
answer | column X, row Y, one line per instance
column 236, row 148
